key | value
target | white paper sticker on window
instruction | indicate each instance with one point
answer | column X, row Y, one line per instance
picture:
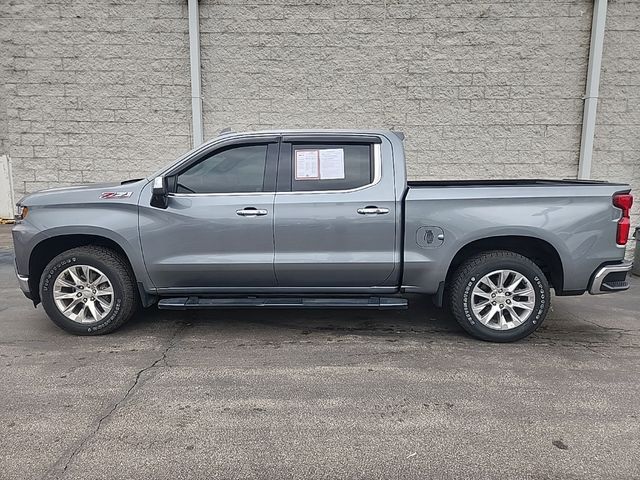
column 332, row 164
column 307, row 165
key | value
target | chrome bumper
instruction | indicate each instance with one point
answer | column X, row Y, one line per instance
column 23, row 282
column 616, row 283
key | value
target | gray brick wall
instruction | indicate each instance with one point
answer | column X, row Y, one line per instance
column 100, row 90
column 617, row 143
column 94, row 91
column 488, row 89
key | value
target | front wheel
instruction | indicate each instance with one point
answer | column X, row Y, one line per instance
column 88, row 290
column 499, row 296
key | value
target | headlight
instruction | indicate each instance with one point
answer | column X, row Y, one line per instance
column 21, row 212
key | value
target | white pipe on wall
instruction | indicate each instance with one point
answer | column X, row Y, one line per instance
column 196, row 89
column 6, row 189
column 593, row 82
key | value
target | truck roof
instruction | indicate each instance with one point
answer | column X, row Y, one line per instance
column 312, row 131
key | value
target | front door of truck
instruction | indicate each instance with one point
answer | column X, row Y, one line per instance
column 217, row 230
column 335, row 214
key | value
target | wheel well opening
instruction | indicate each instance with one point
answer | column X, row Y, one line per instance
column 542, row 253
column 46, row 250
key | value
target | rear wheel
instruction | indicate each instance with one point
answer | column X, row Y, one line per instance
column 499, row 296
column 88, row 290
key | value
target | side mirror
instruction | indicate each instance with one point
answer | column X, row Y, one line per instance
column 159, row 197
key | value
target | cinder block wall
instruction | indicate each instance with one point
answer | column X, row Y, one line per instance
column 617, row 143
column 94, row 90
column 480, row 89
column 100, row 90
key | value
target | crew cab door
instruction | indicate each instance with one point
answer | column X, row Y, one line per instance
column 217, row 230
column 335, row 214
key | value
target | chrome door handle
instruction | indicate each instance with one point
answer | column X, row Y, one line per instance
column 251, row 212
column 372, row 211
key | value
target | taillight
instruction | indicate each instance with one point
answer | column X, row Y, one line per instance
column 623, row 201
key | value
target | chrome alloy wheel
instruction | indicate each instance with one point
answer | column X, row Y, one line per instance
column 83, row 294
column 503, row 299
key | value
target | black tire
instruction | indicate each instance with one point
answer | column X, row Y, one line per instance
column 117, row 270
column 475, row 268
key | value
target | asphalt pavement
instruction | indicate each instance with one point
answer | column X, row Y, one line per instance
column 319, row 394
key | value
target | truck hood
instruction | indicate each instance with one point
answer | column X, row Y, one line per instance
column 127, row 191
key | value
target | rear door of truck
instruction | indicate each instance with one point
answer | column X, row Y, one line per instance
column 335, row 213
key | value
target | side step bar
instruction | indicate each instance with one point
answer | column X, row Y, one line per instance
column 187, row 303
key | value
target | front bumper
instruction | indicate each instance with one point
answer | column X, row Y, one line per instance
column 23, row 282
column 610, row 278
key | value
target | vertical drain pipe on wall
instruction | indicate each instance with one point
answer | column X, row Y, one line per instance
column 7, row 207
column 593, row 82
column 194, row 55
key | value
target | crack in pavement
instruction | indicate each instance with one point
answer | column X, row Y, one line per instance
column 163, row 358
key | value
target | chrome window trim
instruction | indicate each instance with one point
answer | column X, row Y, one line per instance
column 180, row 195
column 377, row 176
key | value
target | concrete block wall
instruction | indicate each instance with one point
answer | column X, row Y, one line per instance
column 489, row 89
column 93, row 90
column 97, row 90
column 617, row 141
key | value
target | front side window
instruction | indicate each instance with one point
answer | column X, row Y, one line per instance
column 232, row 170
column 331, row 167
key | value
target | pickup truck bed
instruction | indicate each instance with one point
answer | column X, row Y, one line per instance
column 568, row 221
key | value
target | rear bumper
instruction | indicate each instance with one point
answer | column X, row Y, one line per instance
column 610, row 278
column 23, row 282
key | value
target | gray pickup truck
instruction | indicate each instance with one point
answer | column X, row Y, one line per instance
column 318, row 219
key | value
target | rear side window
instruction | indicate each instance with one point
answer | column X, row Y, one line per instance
column 331, row 167
column 233, row 170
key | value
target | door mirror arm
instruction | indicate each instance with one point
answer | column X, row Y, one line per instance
column 159, row 196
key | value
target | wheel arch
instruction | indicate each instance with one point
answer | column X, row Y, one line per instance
column 48, row 248
column 539, row 251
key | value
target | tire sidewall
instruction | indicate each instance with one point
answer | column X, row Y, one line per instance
column 49, row 276
column 540, row 286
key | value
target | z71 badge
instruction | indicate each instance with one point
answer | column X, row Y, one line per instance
column 111, row 195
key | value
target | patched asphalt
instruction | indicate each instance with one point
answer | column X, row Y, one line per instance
column 320, row 394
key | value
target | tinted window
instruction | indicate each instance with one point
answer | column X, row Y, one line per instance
column 236, row 169
column 331, row 167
